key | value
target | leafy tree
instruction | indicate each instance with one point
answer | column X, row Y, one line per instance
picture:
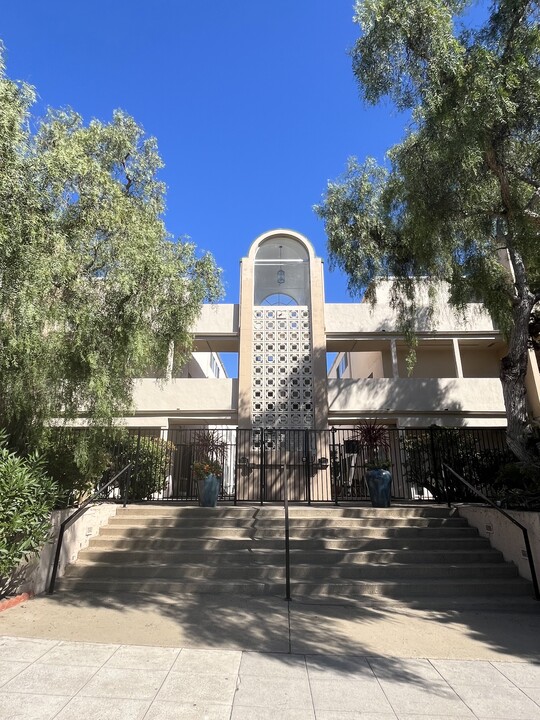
column 462, row 191
column 93, row 289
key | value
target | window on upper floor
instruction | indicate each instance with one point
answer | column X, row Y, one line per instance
column 343, row 365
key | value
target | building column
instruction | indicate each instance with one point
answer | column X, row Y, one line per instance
column 457, row 358
column 393, row 351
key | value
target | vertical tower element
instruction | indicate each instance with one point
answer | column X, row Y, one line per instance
column 282, row 360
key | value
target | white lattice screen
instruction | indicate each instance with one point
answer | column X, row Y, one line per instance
column 282, row 394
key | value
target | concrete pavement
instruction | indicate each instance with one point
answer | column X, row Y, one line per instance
column 200, row 656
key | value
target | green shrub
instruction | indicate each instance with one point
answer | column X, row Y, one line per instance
column 76, row 459
column 27, row 495
column 151, row 458
column 518, row 486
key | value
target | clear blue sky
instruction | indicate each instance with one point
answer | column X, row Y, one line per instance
column 253, row 103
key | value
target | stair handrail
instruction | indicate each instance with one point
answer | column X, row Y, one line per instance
column 79, row 512
column 490, row 502
column 287, row 538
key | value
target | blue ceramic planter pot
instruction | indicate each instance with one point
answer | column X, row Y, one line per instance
column 379, row 482
column 208, row 491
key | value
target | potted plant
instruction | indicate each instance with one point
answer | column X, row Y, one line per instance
column 373, row 438
column 208, row 475
column 207, row 469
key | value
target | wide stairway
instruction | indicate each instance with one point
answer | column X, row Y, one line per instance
column 398, row 552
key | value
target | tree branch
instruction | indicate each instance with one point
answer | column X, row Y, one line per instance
column 527, row 180
column 530, row 214
column 129, row 180
column 497, row 169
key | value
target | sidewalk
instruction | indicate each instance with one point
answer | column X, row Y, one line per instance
column 213, row 658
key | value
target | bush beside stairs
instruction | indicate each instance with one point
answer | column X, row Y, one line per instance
column 399, row 552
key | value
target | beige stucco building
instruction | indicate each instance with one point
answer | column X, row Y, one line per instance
column 286, row 336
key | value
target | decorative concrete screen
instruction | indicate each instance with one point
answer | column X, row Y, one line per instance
column 282, row 368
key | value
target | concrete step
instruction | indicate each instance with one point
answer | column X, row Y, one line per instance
column 463, row 590
column 303, row 572
column 166, row 587
column 173, row 521
column 129, row 541
column 302, row 511
column 402, row 531
column 275, row 523
column 363, row 522
column 298, row 556
column 170, row 531
column 403, row 589
column 296, row 533
column 186, row 511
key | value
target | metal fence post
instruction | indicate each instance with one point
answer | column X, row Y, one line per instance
column 333, row 465
column 137, row 457
column 262, row 469
column 307, row 458
column 127, row 486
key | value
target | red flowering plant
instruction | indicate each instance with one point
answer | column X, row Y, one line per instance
column 209, row 453
column 202, row 468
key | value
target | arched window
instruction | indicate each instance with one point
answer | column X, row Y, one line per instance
column 281, row 272
column 278, row 299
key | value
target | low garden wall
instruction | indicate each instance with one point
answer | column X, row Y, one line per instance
column 35, row 575
column 505, row 536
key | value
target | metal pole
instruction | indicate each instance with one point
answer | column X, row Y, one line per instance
column 333, row 464
column 307, row 457
column 445, row 484
column 56, row 559
column 287, row 540
column 126, row 486
column 235, row 435
column 531, row 563
column 262, row 468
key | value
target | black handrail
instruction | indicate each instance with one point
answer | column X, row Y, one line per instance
column 78, row 513
column 287, row 538
column 506, row 515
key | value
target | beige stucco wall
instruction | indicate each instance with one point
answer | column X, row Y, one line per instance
column 505, row 536
column 218, row 319
column 532, row 383
column 431, row 362
column 320, row 393
column 413, row 395
column 347, row 319
column 36, row 574
column 479, row 362
column 245, row 371
column 185, row 396
column 363, row 364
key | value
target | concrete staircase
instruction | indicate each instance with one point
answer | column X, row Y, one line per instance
column 400, row 552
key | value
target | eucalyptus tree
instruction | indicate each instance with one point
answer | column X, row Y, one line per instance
column 93, row 289
column 461, row 192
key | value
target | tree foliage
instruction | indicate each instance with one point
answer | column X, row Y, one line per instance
column 461, row 192
column 93, row 289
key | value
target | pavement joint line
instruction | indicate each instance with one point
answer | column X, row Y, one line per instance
column 380, row 685
column 310, row 688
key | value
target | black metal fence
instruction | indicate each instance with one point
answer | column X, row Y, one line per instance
column 320, row 466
